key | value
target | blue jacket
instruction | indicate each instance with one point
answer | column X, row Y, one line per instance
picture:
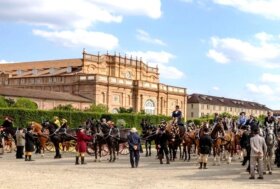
column 134, row 139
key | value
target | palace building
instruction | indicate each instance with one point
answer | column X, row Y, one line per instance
column 106, row 79
column 201, row 105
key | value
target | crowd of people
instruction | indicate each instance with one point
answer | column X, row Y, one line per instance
column 251, row 142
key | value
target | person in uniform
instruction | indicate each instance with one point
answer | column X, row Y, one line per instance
column 81, row 147
column 57, row 124
column 177, row 115
column 245, row 144
column 20, row 136
column 134, row 144
column 205, row 144
column 64, row 126
column 161, row 141
column 270, row 121
column 29, row 144
column 242, row 119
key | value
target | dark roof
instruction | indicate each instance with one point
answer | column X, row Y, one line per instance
column 41, row 64
column 40, row 94
column 222, row 101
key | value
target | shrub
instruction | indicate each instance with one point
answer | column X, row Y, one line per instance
column 25, row 103
column 100, row 108
column 3, row 102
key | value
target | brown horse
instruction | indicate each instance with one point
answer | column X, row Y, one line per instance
column 222, row 139
column 43, row 137
column 189, row 139
column 174, row 141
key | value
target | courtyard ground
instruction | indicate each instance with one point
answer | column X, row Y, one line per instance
column 49, row 173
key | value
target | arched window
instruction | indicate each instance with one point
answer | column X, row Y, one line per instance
column 103, row 98
column 149, row 107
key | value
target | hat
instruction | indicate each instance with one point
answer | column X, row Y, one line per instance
column 55, row 117
column 80, row 127
column 133, row 130
column 64, row 120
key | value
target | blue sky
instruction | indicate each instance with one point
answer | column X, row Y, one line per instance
column 227, row 48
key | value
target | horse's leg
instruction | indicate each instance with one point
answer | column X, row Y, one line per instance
column 189, row 152
column 114, row 151
column 219, row 149
column 57, row 151
column 150, row 146
column 214, row 155
column 95, row 151
column 184, row 156
column 270, row 162
column 146, row 147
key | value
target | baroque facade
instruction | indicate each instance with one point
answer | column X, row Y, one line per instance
column 201, row 105
column 106, row 79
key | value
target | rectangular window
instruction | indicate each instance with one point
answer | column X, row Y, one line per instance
column 192, row 106
column 207, row 107
column 191, row 114
column 116, row 98
column 202, row 106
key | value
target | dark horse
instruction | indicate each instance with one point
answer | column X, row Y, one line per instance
column 148, row 135
column 58, row 138
column 98, row 137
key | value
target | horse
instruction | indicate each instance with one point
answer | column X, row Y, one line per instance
column 188, row 140
column 174, row 141
column 270, row 140
column 217, row 141
column 98, row 137
column 148, row 135
column 111, row 135
column 57, row 138
column 42, row 137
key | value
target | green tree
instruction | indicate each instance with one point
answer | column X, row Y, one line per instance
column 67, row 107
column 100, row 108
column 125, row 110
column 25, row 103
column 3, row 102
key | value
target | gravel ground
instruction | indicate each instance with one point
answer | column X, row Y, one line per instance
column 52, row 173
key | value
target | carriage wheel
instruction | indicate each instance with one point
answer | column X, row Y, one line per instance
column 49, row 146
column 90, row 149
column 104, row 150
column 123, row 149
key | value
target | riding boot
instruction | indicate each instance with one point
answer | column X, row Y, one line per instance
column 29, row 158
column 160, row 159
column 167, row 159
column 204, row 166
column 77, row 160
column 200, row 167
column 26, row 158
column 83, row 160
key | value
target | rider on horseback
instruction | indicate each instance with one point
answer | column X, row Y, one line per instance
column 177, row 115
column 242, row 119
column 270, row 121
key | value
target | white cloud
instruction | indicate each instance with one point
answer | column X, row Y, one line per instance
column 271, row 78
column 215, row 88
column 77, row 14
column 260, row 89
column 266, row 8
column 5, row 62
column 145, row 36
column 160, row 59
column 82, row 38
column 265, row 51
column 217, row 56
column 187, row 1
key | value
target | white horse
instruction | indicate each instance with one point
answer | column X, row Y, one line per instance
column 270, row 140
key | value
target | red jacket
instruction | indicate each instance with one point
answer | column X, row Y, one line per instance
column 82, row 139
